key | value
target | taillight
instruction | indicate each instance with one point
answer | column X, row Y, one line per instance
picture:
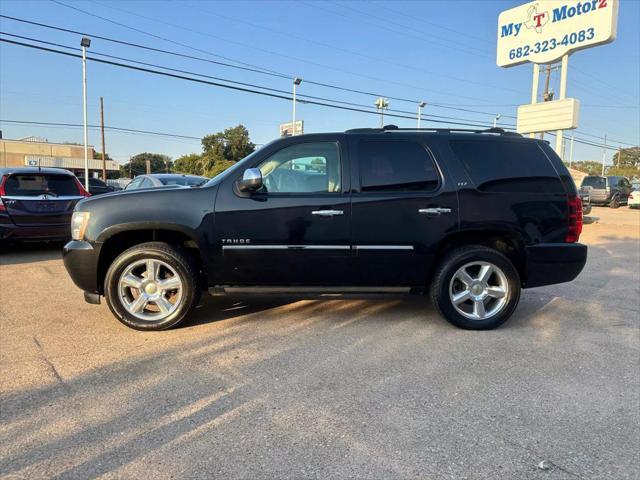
column 81, row 189
column 2, row 192
column 574, row 206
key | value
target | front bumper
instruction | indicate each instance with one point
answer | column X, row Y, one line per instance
column 550, row 263
column 81, row 261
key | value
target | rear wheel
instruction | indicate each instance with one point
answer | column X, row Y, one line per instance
column 476, row 288
column 615, row 202
column 152, row 286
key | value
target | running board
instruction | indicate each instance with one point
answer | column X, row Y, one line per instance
column 220, row 290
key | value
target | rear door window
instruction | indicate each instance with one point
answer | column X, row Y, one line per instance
column 594, row 182
column 38, row 184
column 507, row 166
column 396, row 166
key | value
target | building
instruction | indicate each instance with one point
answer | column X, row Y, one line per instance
column 36, row 151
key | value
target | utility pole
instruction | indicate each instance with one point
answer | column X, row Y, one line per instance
column 104, row 161
column 545, row 95
column 571, row 151
column 148, row 162
column 604, row 153
column 619, row 155
column 85, row 43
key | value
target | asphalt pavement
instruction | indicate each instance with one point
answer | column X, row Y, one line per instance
column 326, row 387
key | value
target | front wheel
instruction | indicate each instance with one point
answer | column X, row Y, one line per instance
column 152, row 286
column 476, row 288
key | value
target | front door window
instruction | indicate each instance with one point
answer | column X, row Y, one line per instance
column 303, row 168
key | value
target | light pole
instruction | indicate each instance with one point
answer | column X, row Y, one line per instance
column 495, row 120
column 421, row 105
column 381, row 104
column 296, row 81
column 85, row 43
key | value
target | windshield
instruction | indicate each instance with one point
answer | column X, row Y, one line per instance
column 187, row 181
column 594, row 182
column 37, row 184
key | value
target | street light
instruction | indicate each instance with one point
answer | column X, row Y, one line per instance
column 381, row 104
column 495, row 120
column 421, row 105
column 85, row 43
column 296, row 81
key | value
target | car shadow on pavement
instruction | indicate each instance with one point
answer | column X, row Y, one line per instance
column 17, row 253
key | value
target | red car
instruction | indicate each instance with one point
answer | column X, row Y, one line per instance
column 37, row 203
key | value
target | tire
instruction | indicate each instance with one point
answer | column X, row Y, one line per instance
column 502, row 277
column 615, row 202
column 168, row 294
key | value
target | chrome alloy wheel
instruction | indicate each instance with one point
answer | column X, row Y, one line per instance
column 479, row 290
column 150, row 289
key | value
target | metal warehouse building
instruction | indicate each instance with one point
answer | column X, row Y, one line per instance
column 36, row 151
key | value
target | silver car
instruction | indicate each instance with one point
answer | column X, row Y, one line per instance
column 165, row 179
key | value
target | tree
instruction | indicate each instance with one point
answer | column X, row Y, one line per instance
column 98, row 156
column 138, row 164
column 233, row 144
column 191, row 163
column 219, row 151
column 588, row 167
column 627, row 157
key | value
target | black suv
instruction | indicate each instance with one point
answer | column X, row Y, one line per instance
column 470, row 217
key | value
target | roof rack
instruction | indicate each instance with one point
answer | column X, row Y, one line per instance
column 395, row 128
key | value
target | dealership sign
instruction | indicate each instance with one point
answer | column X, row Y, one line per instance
column 546, row 30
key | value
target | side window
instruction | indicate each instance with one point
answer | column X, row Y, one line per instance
column 146, row 183
column 507, row 166
column 396, row 166
column 303, row 168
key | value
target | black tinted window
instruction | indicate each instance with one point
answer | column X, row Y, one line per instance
column 26, row 184
column 595, row 182
column 396, row 166
column 501, row 166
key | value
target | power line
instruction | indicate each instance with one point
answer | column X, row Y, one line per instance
column 184, row 45
column 115, row 129
column 423, row 116
column 232, row 87
column 260, row 71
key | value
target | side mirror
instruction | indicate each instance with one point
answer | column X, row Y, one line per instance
column 251, row 180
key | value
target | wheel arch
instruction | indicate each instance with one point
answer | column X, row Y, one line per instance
column 117, row 240
column 506, row 242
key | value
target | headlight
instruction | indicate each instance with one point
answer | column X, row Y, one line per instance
column 79, row 221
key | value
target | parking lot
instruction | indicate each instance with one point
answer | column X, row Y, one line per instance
column 325, row 387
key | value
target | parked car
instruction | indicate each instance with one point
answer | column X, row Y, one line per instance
column 470, row 217
column 164, row 180
column 586, row 202
column 634, row 199
column 37, row 203
column 97, row 186
column 611, row 190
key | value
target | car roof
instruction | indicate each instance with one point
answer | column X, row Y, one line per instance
column 172, row 175
column 32, row 170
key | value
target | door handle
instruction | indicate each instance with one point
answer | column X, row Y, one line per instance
column 327, row 213
column 434, row 212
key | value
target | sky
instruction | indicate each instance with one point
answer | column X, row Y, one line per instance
column 440, row 52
